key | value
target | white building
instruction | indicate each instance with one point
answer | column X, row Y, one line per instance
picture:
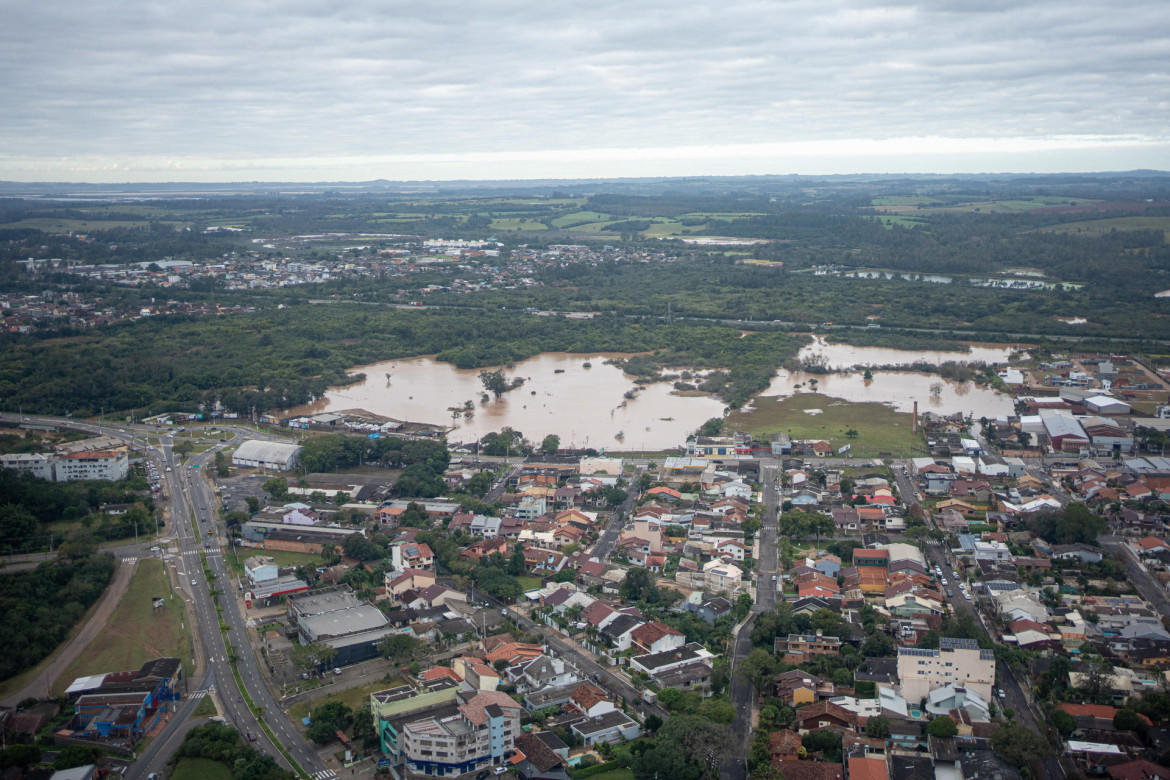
column 271, row 455
column 956, row 662
column 35, row 463
column 104, row 464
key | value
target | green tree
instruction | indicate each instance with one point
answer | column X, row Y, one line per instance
column 1019, row 745
column 277, row 487
column 942, row 726
column 19, row 755
column 1066, row 724
column 79, row 544
column 253, row 504
column 76, row 755
column 550, row 444
column 1128, row 720
column 877, row 727
column 759, row 668
column 638, row 586
column 713, row 427
column 400, row 648
column 222, row 464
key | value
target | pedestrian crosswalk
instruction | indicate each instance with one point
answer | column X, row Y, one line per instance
column 197, row 694
column 130, row 560
column 324, row 774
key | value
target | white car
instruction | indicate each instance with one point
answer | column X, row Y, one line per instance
column 193, row 582
column 943, row 581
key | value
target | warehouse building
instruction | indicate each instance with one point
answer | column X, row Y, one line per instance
column 271, row 455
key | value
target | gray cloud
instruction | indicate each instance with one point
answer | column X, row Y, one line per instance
column 146, row 83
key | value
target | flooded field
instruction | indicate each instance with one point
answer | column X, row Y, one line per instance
column 586, row 407
column 899, row 389
column 848, row 355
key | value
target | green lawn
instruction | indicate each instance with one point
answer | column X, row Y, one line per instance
column 880, row 429
column 205, row 709
column 137, row 632
column 201, row 769
column 529, row 583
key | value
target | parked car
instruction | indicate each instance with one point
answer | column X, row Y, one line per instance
column 500, row 770
column 337, row 670
column 483, row 774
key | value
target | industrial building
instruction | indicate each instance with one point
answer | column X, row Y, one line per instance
column 270, row 455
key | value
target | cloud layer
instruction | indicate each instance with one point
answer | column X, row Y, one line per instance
column 153, row 90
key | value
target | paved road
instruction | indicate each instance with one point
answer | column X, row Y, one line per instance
column 1146, row 585
column 192, row 517
column 1014, row 696
column 613, row 532
column 732, row 764
column 583, row 663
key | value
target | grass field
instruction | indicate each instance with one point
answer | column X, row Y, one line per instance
column 529, row 583
column 614, row 774
column 137, row 633
column 880, row 429
column 354, row 698
column 518, row 223
column 205, row 709
column 201, row 769
column 581, row 218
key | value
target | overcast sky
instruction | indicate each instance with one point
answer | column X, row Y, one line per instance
column 292, row 90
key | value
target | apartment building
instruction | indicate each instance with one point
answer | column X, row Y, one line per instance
column 478, row 734
column 956, row 662
column 111, row 465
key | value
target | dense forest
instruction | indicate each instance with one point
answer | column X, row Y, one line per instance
column 220, row 742
column 281, row 358
column 28, row 507
column 40, row 606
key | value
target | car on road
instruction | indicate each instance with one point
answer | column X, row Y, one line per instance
column 596, row 677
column 251, row 736
column 1001, row 694
column 193, row 582
column 483, row 774
column 943, row 582
column 500, row 770
column 337, row 670
column 950, row 593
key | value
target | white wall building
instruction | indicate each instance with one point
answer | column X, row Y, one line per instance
column 956, row 662
column 271, row 455
column 103, row 464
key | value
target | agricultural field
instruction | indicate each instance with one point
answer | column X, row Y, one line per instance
column 880, row 429
column 137, row 632
column 1099, row 227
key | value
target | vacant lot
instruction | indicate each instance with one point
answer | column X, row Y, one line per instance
column 354, row 698
column 879, row 428
column 137, row 632
column 201, row 769
column 281, row 558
